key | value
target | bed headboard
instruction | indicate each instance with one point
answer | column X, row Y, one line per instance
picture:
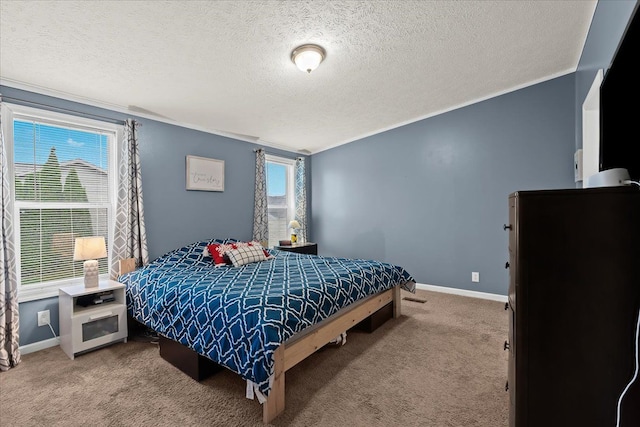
column 126, row 265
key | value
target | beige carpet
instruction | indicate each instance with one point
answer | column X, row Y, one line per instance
column 440, row 364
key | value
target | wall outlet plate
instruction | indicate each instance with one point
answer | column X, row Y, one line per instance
column 44, row 318
column 475, row 276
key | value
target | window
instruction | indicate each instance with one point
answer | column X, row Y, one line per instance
column 280, row 197
column 63, row 170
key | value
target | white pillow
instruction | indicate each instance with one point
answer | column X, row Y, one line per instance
column 246, row 255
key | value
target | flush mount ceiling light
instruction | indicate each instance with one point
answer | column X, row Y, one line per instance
column 307, row 57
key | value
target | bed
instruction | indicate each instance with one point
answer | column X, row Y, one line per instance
column 262, row 318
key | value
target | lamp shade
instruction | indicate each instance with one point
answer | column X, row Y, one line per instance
column 294, row 224
column 89, row 248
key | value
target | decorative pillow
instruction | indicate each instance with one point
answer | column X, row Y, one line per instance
column 205, row 250
column 219, row 251
column 246, row 255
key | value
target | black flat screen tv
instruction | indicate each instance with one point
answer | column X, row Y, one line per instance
column 620, row 104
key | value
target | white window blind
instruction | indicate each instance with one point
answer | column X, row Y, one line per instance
column 63, row 188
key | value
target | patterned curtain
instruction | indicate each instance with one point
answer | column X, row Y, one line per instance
column 130, row 237
column 260, row 215
column 9, row 345
column 301, row 198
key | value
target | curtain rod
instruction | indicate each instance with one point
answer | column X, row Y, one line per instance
column 255, row 150
column 61, row 109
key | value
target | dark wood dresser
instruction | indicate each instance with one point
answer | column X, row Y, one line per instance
column 574, row 296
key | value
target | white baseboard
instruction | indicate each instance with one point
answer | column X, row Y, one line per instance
column 40, row 345
column 463, row 292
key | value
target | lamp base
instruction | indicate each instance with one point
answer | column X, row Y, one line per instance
column 294, row 238
column 91, row 273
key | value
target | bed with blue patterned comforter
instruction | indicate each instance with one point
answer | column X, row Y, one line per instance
column 239, row 316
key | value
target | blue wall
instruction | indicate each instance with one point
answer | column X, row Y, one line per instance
column 174, row 217
column 432, row 196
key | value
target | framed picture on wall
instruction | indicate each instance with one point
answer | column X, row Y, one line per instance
column 205, row 174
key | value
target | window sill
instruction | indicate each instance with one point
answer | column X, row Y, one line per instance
column 40, row 291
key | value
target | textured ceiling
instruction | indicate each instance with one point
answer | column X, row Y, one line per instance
column 225, row 66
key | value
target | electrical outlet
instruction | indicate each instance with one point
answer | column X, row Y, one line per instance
column 475, row 276
column 44, row 318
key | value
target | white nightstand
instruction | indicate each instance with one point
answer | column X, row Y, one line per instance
column 96, row 325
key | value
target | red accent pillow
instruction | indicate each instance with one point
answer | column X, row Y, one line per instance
column 218, row 251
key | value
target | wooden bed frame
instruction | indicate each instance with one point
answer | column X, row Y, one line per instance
column 307, row 342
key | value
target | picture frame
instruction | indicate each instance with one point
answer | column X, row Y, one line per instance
column 204, row 174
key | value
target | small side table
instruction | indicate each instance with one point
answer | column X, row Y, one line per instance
column 96, row 325
column 300, row 248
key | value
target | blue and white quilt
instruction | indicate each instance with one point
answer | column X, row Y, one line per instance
column 238, row 316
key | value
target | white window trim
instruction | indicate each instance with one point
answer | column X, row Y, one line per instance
column 13, row 111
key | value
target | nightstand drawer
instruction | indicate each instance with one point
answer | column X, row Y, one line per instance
column 99, row 326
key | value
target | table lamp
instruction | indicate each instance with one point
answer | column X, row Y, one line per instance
column 294, row 225
column 87, row 249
